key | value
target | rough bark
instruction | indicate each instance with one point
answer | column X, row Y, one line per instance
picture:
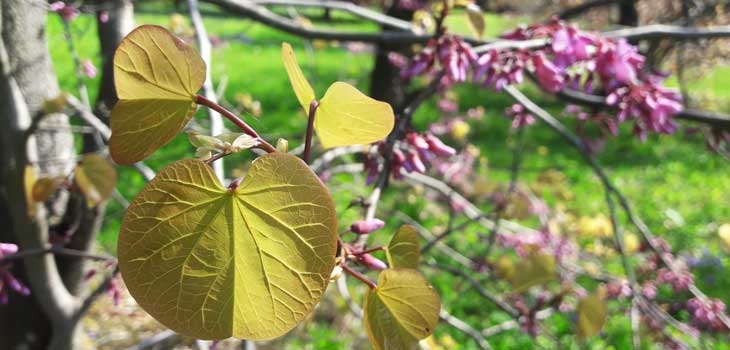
column 46, row 319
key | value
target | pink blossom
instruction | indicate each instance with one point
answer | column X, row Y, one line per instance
column 104, row 16
column 363, row 227
column 67, row 12
column 89, row 68
column 371, row 262
column 547, row 74
column 438, row 148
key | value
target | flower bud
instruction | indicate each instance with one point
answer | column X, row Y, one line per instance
column 436, row 146
column 371, row 262
column 363, row 227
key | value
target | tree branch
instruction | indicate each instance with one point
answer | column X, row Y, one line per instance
column 359, row 11
column 262, row 15
column 216, row 122
column 710, row 118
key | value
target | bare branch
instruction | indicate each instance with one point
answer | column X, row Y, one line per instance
column 263, row 15
column 90, row 118
column 359, row 11
column 464, row 328
column 704, row 117
column 201, row 35
column 477, row 287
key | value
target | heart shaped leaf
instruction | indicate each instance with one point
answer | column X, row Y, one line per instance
column 45, row 187
column 96, row 178
column 404, row 249
column 403, row 309
column 536, row 269
column 249, row 262
column 345, row 115
column 157, row 76
column 592, row 312
column 304, row 91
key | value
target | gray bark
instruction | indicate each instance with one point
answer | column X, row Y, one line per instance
column 48, row 319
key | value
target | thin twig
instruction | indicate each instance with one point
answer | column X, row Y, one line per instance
column 56, row 250
column 310, row 130
column 608, row 185
column 465, row 328
column 201, row 35
column 477, row 287
column 236, row 120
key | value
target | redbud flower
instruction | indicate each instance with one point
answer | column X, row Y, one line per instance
column 547, row 74
column 415, row 162
column 363, row 227
column 104, row 16
column 371, row 262
column 114, row 291
column 88, row 68
column 7, row 249
column 438, row 148
column 67, row 12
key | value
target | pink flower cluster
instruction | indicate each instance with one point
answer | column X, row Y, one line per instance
column 67, row 12
column 453, row 54
column 705, row 315
column 547, row 242
column 520, row 117
column 679, row 280
column 412, row 154
column 575, row 59
column 6, row 277
column 501, row 68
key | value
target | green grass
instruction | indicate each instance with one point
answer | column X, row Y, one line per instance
column 662, row 177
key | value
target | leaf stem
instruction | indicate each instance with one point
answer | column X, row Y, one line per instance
column 201, row 100
column 368, row 251
column 359, row 276
column 310, row 130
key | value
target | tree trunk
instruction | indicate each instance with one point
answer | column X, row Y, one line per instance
column 48, row 318
column 385, row 81
column 628, row 15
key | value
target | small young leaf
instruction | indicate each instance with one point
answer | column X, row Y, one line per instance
column 476, row 19
column 56, row 104
column 96, row 178
column 249, row 262
column 157, row 76
column 345, row 115
column 403, row 309
column 44, row 187
column 404, row 249
column 299, row 83
column 536, row 269
column 29, row 178
column 592, row 312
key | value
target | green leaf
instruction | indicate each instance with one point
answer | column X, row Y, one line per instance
column 249, row 262
column 345, row 115
column 45, row 187
column 476, row 19
column 403, row 309
column 592, row 312
column 29, row 179
column 157, row 76
column 96, row 178
column 536, row 269
column 404, row 249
